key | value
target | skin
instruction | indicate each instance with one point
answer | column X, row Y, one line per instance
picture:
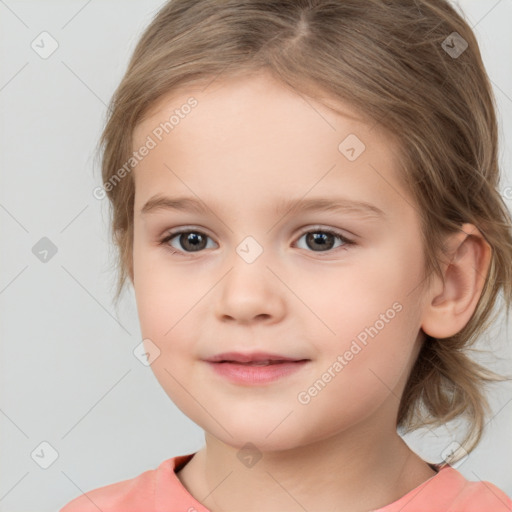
column 249, row 143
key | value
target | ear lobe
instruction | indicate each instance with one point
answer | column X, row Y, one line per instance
column 447, row 312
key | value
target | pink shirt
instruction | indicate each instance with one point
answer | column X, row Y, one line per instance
column 160, row 490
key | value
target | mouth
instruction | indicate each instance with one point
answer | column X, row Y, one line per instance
column 253, row 359
column 261, row 363
column 255, row 369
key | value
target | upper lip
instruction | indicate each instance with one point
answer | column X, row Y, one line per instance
column 250, row 357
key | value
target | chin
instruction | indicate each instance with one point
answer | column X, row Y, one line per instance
column 262, row 436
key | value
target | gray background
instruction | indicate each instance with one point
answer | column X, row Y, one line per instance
column 68, row 375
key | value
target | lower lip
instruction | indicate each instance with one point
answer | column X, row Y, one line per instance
column 254, row 375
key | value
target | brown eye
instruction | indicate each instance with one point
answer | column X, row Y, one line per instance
column 189, row 241
column 316, row 240
column 323, row 240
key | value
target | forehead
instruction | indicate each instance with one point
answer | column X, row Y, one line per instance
column 258, row 95
column 251, row 126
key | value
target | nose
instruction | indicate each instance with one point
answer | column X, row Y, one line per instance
column 250, row 292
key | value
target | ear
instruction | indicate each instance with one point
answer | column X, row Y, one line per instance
column 449, row 306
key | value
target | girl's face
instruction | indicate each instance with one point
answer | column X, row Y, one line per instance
column 250, row 275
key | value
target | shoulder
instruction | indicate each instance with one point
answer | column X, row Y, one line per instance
column 450, row 491
column 128, row 495
column 481, row 496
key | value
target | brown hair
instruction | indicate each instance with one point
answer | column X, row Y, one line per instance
column 392, row 60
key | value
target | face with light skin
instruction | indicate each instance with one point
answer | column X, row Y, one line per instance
column 249, row 146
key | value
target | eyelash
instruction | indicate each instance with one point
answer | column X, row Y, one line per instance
column 346, row 241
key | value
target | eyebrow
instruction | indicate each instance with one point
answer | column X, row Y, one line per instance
column 338, row 204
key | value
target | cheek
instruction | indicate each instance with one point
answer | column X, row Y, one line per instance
column 373, row 321
column 355, row 379
column 368, row 292
column 164, row 292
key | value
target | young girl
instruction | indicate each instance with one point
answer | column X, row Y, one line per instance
column 305, row 199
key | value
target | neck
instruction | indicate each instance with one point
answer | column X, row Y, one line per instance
column 340, row 470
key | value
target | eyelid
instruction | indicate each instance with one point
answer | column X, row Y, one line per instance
column 326, row 229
